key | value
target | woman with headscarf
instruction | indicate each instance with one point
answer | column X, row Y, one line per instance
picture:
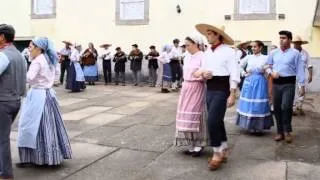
column 164, row 59
column 89, row 61
column 75, row 76
column 191, row 129
column 253, row 109
column 42, row 136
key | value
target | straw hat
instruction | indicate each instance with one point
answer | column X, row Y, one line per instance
column 204, row 28
column 67, row 42
column 243, row 43
column 105, row 45
column 299, row 39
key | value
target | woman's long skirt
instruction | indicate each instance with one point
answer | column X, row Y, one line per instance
column 254, row 109
column 72, row 83
column 91, row 73
column 191, row 119
column 52, row 143
column 166, row 76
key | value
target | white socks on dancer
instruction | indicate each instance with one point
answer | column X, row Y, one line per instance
column 224, row 145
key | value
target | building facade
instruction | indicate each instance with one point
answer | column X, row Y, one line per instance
column 156, row 22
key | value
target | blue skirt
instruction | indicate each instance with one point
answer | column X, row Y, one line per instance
column 254, row 109
column 52, row 144
column 72, row 83
column 167, row 75
column 91, row 73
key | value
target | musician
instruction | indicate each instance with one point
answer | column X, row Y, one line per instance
column 89, row 60
column 106, row 63
column 120, row 60
column 152, row 65
column 64, row 59
column 135, row 58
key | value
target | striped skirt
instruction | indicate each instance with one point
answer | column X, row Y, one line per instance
column 191, row 119
column 254, row 109
column 53, row 145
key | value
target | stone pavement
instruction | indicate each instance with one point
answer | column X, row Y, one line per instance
column 127, row 133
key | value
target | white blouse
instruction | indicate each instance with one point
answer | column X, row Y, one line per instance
column 253, row 63
column 222, row 61
column 75, row 55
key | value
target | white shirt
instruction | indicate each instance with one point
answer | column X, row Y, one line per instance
column 4, row 62
column 254, row 63
column 40, row 74
column 164, row 57
column 75, row 55
column 175, row 52
column 223, row 62
column 107, row 53
column 26, row 53
column 305, row 58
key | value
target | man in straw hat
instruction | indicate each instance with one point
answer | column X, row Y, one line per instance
column 242, row 52
column 220, row 68
column 65, row 59
column 106, row 63
column 285, row 66
column 298, row 42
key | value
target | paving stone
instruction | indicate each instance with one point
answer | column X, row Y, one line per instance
column 305, row 146
column 143, row 137
column 175, row 165
column 99, row 134
column 103, row 118
column 254, row 147
column 83, row 155
column 69, row 101
column 84, row 113
column 303, row 171
column 130, row 108
column 121, row 165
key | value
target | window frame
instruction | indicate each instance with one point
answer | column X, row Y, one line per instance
column 144, row 21
column 44, row 16
column 255, row 16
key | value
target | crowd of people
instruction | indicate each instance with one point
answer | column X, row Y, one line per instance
column 208, row 77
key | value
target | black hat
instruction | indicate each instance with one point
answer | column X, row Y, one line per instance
column 286, row 33
column 152, row 47
column 183, row 46
column 135, row 45
column 176, row 41
column 8, row 32
column 118, row 48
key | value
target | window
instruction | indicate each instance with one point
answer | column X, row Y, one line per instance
column 132, row 12
column 42, row 9
column 255, row 10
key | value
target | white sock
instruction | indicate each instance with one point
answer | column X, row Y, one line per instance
column 197, row 149
column 224, row 145
column 218, row 149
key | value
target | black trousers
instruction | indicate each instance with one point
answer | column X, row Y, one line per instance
column 106, row 65
column 283, row 97
column 64, row 68
column 217, row 106
column 8, row 112
column 120, row 77
column 176, row 71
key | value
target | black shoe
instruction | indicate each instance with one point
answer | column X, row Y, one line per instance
column 123, row 84
column 135, row 85
column 23, row 165
column 188, row 152
column 116, row 84
column 197, row 153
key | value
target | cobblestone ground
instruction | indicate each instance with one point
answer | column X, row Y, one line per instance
column 127, row 132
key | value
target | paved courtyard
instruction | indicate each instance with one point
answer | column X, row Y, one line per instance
column 127, row 133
